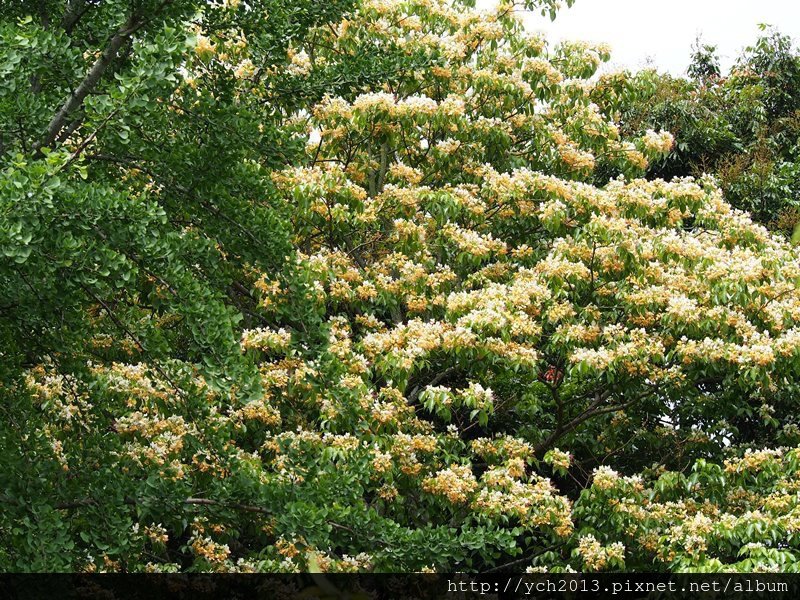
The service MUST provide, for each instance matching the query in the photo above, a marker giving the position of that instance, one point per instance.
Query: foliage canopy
(743, 127)
(296, 287)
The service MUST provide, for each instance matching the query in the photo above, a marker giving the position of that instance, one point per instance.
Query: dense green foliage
(345, 286)
(94, 95)
(133, 202)
(743, 127)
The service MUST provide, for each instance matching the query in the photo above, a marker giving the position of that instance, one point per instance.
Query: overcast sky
(663, 30)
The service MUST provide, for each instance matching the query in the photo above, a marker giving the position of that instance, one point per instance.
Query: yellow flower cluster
(455, 483)
(596, 557)
(559, 459)
(536, 504)
(266, 339)
(208, 549)
(605, 478)
(660, 142)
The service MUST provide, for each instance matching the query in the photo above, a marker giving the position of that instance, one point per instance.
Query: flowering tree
(513, 367)
(742, 126)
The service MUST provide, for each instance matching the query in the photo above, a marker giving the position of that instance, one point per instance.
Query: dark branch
(74, 12)
(78, 95)
(191, 501)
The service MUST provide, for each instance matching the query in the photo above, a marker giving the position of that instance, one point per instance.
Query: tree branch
(73, 13)
(78, 95)
(440, 377)
(191, 501)
(592, 410)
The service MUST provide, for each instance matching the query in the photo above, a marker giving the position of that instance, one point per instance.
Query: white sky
(664, 30)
